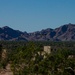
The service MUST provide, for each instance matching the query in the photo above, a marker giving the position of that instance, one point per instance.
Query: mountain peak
(70, 24)
(5, 27)
(63, 33)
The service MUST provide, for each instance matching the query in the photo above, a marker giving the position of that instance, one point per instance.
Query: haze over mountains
(62, 33)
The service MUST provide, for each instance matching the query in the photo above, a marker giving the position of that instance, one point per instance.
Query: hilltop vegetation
(24, 58)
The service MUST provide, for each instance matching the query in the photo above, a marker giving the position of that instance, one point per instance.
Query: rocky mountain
(63, 33)
(7, 33)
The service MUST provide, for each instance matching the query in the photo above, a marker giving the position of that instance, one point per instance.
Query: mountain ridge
(63, 33)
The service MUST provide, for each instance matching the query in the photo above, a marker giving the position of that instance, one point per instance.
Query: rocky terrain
(63, 33)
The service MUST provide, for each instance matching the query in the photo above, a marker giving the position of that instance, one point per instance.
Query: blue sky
(34, 15)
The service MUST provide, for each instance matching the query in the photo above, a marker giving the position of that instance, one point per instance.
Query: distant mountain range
(62, 33)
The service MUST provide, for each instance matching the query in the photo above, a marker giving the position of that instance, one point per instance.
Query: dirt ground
(6, 71)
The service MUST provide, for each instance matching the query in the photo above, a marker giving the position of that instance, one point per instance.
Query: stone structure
(4, 54)
(47, 49)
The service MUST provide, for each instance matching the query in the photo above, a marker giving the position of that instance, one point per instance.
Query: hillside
(63, 33)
